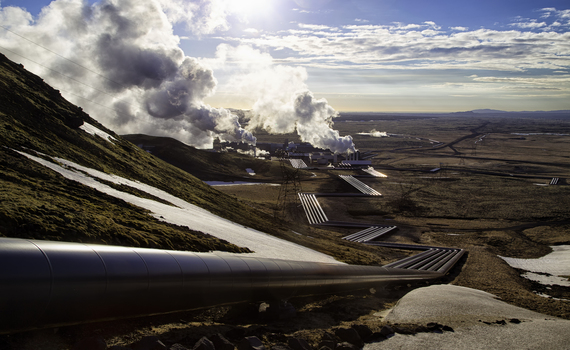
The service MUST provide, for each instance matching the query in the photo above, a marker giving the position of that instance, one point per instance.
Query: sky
(294, 63)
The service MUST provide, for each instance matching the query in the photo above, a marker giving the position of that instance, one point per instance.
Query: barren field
(491, 195)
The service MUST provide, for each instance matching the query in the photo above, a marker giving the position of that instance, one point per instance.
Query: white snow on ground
(185, 214)
(556, 264)
(466, 310)
(250, 171)
(546, 280)
(90, 129)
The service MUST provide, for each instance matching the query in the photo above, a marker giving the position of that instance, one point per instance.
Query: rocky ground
(337, 322)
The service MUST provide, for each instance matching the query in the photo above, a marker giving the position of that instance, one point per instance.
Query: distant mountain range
(494, 111)
(511, 114)
(485, 112)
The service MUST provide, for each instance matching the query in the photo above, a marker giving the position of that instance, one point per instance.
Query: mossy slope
(39, 203)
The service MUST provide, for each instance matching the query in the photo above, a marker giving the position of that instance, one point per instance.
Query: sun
(250, 8)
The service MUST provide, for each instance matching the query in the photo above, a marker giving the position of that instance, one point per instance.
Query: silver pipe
(318, 209)
(48, 284)
(434, 260)
(410, 261)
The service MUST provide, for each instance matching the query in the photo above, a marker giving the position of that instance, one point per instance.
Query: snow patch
(90, 129)
(556, 264)
(546, 279)
(186, 214)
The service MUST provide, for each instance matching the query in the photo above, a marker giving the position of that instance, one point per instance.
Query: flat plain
(481, 183)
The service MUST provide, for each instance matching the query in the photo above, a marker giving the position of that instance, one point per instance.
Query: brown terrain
(491, 197)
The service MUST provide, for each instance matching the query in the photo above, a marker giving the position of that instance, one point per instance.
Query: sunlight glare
(249, 8)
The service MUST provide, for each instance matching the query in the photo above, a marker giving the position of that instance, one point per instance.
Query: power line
(65, 58)
(71, 78)
(86, 99)
(53, 70)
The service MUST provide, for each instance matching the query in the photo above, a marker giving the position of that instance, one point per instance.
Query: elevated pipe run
(369, 233)
(48, 284)
(359, 185)
(315, 214)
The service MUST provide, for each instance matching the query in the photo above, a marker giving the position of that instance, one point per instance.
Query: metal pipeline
(48, 284)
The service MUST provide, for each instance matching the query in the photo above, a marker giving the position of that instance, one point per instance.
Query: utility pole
(288, 202)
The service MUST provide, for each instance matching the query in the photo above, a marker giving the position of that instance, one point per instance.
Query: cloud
(562, 18)
(314, 26)
(422, 46)
(547, 12)
(11, 16)
(150, 85)
(558, 83)
(532, 24)
(401, 27)
(200, 17)
(432, 25)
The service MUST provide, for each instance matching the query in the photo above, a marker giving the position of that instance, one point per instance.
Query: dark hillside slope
(36, 202)
(205, 165)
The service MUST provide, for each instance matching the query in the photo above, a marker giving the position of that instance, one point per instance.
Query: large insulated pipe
(46, 283)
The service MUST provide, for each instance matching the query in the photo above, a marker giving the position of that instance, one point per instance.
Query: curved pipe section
(45, 283)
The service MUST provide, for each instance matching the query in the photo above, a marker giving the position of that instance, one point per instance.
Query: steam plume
(149, 83)
(282, 101)
(138, 80)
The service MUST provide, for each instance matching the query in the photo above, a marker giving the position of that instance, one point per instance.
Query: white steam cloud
(374, 133)
(282, 102)
(134, 78)
(145, 83)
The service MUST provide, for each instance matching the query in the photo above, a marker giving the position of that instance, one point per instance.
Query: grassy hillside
(39, 203)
